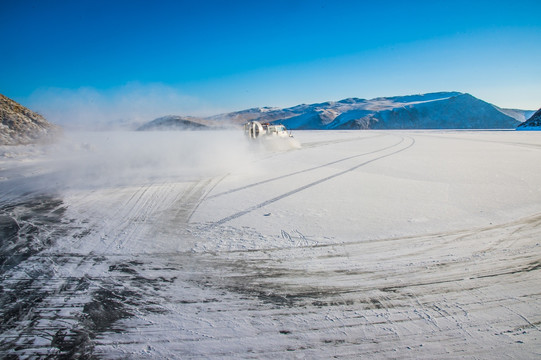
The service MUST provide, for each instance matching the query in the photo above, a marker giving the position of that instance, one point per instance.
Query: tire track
(358, 303)
(353, 304)
(315, 144)
(305, 170)
(186, 204)
(312, 184)
(469, 260)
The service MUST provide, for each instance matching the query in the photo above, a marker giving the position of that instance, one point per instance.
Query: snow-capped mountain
(444, 110)
(441, 110)
(19, 125)
(533, 123)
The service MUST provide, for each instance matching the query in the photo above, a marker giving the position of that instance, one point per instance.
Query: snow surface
(382, 244)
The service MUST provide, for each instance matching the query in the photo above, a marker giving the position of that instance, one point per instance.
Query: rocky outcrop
(19, 125)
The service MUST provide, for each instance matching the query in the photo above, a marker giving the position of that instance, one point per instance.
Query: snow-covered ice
(382, 244)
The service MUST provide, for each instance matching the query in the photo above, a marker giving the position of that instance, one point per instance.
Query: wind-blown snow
(379, 244)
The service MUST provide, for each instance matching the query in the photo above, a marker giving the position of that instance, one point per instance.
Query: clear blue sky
(203, 57)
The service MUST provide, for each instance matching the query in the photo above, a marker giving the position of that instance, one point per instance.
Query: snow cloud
(95, 159)
(113, 158)
(121, 107)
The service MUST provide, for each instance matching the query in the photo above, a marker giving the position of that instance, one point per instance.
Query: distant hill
(173, 122)
(19, 125)
(462, 111)
(441, 110)
(533, 123)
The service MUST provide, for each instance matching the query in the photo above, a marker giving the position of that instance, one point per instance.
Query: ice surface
(382, 244)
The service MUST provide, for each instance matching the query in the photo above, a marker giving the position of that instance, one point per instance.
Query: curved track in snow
(310, 145)
(131, 271)
(378, 154)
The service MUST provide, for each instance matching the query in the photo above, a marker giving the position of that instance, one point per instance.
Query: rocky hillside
(19, 125)
(533, 123)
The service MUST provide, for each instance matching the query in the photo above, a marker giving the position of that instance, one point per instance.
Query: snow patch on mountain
(520, 115)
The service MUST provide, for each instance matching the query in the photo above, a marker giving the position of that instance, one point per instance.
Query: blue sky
(125, 59)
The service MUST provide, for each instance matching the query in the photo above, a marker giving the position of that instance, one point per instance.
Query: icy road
(357, 244)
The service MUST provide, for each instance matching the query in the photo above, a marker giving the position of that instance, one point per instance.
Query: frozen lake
(382, 244)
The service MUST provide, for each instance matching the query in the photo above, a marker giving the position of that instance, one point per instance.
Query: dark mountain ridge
(533, 123)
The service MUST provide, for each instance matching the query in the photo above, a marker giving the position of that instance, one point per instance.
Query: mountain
(173, 122)
(19, 125)
(533, 123)
(456, 112)
(443, 110)
(440, 110)
(240, 117)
